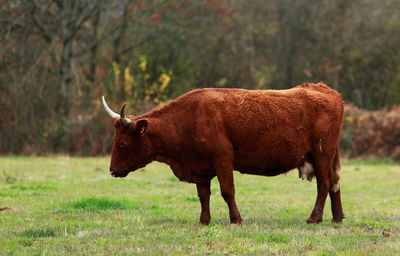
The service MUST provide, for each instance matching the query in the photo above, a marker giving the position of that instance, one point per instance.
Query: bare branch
(40, 26)
(79, 24)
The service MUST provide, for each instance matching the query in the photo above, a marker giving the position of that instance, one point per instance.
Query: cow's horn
(108, 110)
(124, 119)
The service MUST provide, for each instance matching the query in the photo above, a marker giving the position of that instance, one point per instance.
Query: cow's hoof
(313, 221)
(237, 221)
(205, 221)
(338, 220)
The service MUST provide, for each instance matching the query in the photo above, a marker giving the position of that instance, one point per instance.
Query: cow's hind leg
(225, 178)
(336, 205)
(334, 193)
(204, 192)
(322, 169)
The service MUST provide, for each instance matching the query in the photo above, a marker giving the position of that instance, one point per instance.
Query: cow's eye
(122, 144)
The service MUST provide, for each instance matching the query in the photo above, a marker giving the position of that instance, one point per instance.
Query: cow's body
(210, 132)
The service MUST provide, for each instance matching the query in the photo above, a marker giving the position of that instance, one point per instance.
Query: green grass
(72, 206)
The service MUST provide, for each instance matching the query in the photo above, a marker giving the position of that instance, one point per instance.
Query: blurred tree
(57, 57)
(59, 23)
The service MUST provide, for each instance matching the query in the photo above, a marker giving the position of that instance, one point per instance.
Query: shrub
(371, 133)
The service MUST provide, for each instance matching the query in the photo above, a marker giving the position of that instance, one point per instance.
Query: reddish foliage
(371, 133)
(156, 18)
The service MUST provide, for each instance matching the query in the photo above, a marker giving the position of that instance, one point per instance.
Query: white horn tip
(108, 110)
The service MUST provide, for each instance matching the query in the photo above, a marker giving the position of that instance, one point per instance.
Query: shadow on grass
(275, 220)
(259, 221)
(267, 222)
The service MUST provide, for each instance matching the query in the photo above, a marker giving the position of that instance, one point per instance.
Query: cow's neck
(164, 143)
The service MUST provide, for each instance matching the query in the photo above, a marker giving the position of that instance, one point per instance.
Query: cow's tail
(336, 171)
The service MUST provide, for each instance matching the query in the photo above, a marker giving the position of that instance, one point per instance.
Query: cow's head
(132, 146)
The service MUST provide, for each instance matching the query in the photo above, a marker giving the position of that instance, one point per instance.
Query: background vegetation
(72, 206)
(57, 57)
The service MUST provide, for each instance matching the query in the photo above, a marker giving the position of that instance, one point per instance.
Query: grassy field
(72, 206)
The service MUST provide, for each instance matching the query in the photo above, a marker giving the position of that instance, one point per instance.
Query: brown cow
(211, 132)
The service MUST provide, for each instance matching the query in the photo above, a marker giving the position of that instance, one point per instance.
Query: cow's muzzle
(117, 174)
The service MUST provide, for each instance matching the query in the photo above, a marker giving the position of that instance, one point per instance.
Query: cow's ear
(141, 127)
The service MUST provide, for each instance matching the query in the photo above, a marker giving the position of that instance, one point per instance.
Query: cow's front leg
(203, 191)
(225, 178)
